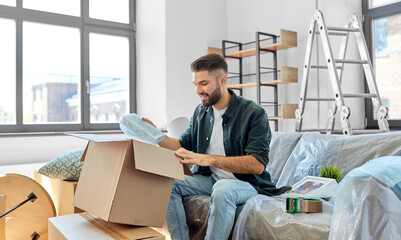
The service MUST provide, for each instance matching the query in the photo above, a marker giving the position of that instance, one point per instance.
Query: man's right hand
(148, 121)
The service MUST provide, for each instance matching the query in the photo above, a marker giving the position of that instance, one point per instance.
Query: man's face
(207, 87)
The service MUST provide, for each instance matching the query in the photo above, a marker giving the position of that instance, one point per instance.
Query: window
(66, 65)
(379, 3)
(68, 7)
(7, 71)
(382, 27)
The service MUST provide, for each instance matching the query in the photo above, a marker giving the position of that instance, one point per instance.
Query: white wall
(192, 26)
(171, 34)
(151, 60)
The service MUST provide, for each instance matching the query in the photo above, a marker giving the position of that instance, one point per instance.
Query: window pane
(115, 11)
(387, 60)
(51, 74)
(8, 3)
(68, 7)
(379, 3)
(7, 72)
(109, 77)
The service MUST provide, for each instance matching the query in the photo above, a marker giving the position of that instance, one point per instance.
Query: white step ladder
(335, 68)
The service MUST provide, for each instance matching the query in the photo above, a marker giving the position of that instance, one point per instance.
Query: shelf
(287, 112)
(288, 75)
(288, 40)
(214, 50)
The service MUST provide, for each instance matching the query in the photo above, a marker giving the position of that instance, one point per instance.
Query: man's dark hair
(213, 63)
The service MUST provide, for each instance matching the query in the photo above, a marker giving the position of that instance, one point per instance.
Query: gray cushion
(64, 167)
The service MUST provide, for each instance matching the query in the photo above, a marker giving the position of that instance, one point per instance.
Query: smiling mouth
(203, 96)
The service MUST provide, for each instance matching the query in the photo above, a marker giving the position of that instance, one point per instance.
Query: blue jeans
(225, 194)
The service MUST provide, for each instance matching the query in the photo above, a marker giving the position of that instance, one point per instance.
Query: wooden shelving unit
(287, 39)
(287, 112)
(288, 75)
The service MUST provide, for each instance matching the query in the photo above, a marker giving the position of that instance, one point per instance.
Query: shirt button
(207, 139)
(225, 143)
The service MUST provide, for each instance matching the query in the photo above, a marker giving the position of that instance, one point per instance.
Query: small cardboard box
(87, 226)
(62, 193)
(127, 181)
(3, 219)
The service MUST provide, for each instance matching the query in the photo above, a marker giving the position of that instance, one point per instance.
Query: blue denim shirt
(246, 131)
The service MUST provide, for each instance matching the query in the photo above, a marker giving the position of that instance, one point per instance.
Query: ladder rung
(342, 29)
(366, 131)
(359, 95)
(351, 61)
(319, 99)
(323, 67)
(316, 130)
(334, 33)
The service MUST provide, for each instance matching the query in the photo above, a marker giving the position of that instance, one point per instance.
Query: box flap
(157, 160)
(96, 138)
(99, 176)
(87, 226)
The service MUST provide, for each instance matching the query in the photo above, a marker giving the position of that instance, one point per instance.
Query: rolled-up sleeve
(259, 136)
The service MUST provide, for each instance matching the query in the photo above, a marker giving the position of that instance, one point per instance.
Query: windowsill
(44, 134)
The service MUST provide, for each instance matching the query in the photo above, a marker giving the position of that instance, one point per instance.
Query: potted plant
(331, 171)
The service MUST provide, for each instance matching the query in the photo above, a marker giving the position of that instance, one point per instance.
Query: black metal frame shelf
(288, 75)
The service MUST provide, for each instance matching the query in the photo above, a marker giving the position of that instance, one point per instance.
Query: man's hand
(148, 121)
(241, 164)
(192, 158)
(167, 142)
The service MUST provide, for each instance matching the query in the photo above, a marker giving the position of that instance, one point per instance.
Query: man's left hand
(194, 158)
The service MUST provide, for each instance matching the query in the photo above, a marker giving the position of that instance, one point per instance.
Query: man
(228, 138)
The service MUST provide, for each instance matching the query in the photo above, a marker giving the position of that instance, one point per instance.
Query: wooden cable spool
(30, 218)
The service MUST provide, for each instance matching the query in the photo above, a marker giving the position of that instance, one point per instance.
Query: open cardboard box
(127, 181)
(87, 226)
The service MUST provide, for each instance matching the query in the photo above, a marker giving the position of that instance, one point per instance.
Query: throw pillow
(64, 167)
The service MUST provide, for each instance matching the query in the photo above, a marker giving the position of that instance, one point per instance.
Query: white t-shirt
(216, 146)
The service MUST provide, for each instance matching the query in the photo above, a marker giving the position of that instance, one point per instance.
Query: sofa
(366, 204)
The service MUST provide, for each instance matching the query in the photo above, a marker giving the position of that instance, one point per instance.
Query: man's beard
(214, 97)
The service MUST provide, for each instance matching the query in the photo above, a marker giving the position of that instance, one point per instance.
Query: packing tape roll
(311, 206)
(307, 205)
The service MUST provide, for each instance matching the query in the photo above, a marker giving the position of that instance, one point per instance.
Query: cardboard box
(127, 181)
(3, 219)
(61, 192)
(87, 226)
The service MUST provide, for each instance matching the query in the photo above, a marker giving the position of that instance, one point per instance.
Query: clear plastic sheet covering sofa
(264, 217)
(281, 146)
(348, 152)
(368, 202)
